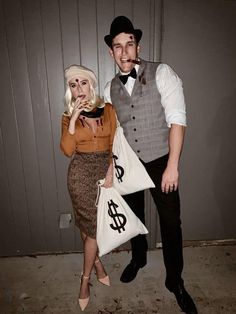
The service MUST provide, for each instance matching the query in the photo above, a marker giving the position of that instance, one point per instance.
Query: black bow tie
(124, 78)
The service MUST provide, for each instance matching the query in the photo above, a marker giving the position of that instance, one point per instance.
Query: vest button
(132, 106)
(134, 129)
(136, 140)
(133, 117)
(138, 151)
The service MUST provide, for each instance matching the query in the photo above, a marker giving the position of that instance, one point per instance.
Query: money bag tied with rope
(129, 174)
(116, 222)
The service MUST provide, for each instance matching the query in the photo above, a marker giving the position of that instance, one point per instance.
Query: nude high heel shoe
(105, 280)
(84, 302)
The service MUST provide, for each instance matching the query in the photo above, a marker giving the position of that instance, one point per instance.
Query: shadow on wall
(221, 137)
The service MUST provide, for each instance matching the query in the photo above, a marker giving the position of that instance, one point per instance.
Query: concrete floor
(50, 284)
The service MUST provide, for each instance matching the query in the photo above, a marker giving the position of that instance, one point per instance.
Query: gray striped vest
(141, 115)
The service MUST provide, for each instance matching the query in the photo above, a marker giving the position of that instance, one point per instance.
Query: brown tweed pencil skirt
(84, 171)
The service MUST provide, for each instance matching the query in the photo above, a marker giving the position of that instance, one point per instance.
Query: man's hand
(170, 178)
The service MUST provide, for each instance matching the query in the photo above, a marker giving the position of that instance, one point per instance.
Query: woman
(88, 128)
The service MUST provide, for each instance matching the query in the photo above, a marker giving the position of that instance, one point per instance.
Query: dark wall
(39, 38)
(199, 41)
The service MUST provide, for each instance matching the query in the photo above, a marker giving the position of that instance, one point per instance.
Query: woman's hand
(108, 182)
(109, 178)
(79, 106)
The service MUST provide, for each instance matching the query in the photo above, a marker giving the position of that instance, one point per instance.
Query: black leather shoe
(184, 300)
(130, 271)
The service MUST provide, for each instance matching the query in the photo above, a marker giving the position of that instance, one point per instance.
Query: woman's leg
(90, 252)
(99, 268)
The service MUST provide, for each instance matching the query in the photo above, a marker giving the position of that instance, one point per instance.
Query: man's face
(124, 48)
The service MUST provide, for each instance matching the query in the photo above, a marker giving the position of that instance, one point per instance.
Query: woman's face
(80, 87)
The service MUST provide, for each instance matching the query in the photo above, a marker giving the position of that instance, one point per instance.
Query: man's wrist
(173, 163)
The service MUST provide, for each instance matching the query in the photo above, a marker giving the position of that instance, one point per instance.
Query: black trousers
(168, 206)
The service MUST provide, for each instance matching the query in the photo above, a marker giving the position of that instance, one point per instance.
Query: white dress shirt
(170, 88)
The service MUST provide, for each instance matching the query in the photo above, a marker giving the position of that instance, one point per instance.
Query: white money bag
(116, 222)
(129, 174)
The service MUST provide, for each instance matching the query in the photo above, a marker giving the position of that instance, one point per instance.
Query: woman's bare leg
(99, 268)
(90, 252)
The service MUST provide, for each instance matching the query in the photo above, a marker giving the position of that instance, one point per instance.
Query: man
(150, 105)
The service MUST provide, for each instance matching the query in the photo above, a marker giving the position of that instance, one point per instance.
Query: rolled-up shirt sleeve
(172, 96)
(107, 92)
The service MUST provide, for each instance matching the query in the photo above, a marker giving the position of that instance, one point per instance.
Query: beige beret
(79, 70)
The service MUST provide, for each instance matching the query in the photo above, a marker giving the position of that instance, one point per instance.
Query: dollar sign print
(119, 219)
(119, 170)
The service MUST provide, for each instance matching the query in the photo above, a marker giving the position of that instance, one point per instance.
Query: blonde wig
(79, 70)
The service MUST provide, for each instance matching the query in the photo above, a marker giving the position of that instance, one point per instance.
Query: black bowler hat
(121, 24)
